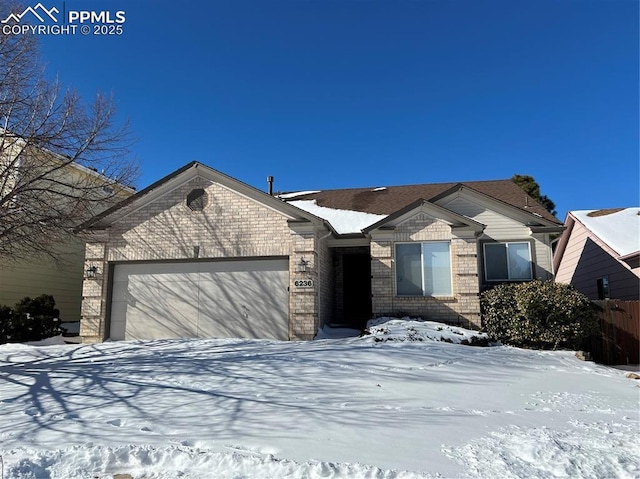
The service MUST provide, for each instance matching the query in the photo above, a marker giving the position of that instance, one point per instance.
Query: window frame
(422, 269)
(529, 244)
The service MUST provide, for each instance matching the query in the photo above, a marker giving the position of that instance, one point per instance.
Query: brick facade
(237, 221)
(463, 307)
(231, 225)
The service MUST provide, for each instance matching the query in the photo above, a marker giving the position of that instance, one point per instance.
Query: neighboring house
(201, 254)
(599, 253)
(62, 278)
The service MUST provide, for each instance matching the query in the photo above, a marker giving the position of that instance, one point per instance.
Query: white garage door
(223, 299)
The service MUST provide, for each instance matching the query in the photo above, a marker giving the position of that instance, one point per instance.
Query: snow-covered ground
(392, 404)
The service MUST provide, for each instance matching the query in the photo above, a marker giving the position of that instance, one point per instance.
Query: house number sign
(303, 283)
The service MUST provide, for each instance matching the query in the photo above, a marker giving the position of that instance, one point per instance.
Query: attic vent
(197, 199)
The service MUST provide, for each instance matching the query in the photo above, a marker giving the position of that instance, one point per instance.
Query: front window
(507, 261)
(423, 269)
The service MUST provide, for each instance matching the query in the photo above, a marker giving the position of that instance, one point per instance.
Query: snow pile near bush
(407, 329)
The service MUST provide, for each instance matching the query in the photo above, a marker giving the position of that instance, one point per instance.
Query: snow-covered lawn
(350, 407)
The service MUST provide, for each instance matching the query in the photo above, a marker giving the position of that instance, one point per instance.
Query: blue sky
(332, 94)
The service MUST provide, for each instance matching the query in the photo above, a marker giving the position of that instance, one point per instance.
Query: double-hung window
(423, 269)
(509, 261)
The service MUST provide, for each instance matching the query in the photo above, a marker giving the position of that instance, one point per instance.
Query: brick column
(94, 293)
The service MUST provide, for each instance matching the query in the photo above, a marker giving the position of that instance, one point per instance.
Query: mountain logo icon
(39, 12)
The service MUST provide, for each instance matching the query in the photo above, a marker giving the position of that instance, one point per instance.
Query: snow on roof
(619, 229)
(343, 221)
(286, 196)
(381, 188)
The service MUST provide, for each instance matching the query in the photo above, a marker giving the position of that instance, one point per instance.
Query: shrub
(30, 320)
(5, 323)
(538, 314)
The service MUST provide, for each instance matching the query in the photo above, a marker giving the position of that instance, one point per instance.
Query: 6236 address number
(303, 283)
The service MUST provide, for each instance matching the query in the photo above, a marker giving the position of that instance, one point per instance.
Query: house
(201, 254)
(61, 273)
(599, 253)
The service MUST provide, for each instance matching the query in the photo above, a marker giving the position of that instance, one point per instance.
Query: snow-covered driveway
(329, 408)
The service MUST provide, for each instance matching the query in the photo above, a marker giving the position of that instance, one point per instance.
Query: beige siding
(43, 276)
(63, 277)
(498, 226)
(542, 257)
(502, 228)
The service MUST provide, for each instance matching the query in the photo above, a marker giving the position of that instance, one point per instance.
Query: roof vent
(197, 199)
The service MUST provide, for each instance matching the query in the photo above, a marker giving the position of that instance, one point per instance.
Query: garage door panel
(238, 301)
(161, 310)
(201, 299)
(118, 320)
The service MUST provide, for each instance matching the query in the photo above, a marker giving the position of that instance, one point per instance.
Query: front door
(357, 289)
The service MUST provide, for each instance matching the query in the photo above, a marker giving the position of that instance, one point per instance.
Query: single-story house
(201, 254)
(599, 253)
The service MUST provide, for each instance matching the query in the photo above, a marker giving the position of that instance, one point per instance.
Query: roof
(619, 228)
(389, 199)
(344, 222)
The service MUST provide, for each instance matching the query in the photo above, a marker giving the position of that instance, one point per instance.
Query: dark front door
(357, 289)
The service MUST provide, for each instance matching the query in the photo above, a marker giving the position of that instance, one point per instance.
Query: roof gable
(526, 216)
(183, 175)
(431, 209)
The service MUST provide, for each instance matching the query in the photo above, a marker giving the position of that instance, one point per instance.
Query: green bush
(30, 320)
(538, 314)
(6, 314)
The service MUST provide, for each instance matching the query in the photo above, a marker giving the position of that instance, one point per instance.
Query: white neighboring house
(62, 278)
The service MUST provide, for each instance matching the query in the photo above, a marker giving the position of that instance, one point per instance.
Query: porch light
(92, 271)
(302, 265)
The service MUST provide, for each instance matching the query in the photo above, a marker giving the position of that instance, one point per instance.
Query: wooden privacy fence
(619, 338)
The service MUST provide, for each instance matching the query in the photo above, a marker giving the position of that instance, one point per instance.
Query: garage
(200, 299)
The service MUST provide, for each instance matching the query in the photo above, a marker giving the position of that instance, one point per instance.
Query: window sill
(428, 298)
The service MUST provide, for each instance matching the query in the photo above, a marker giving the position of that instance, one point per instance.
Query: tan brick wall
(326, 279)
(94, 294)
(304, 302)
(462, 308)
(230, 225)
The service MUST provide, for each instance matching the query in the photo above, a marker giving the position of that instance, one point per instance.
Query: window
(603, 288)
(423, 269)
(507, 261)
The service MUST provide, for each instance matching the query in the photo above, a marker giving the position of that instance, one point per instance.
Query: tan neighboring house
(201, 254)
(62, 278)
(599, 253)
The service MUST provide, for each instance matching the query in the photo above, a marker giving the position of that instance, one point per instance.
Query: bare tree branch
(61, 161)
